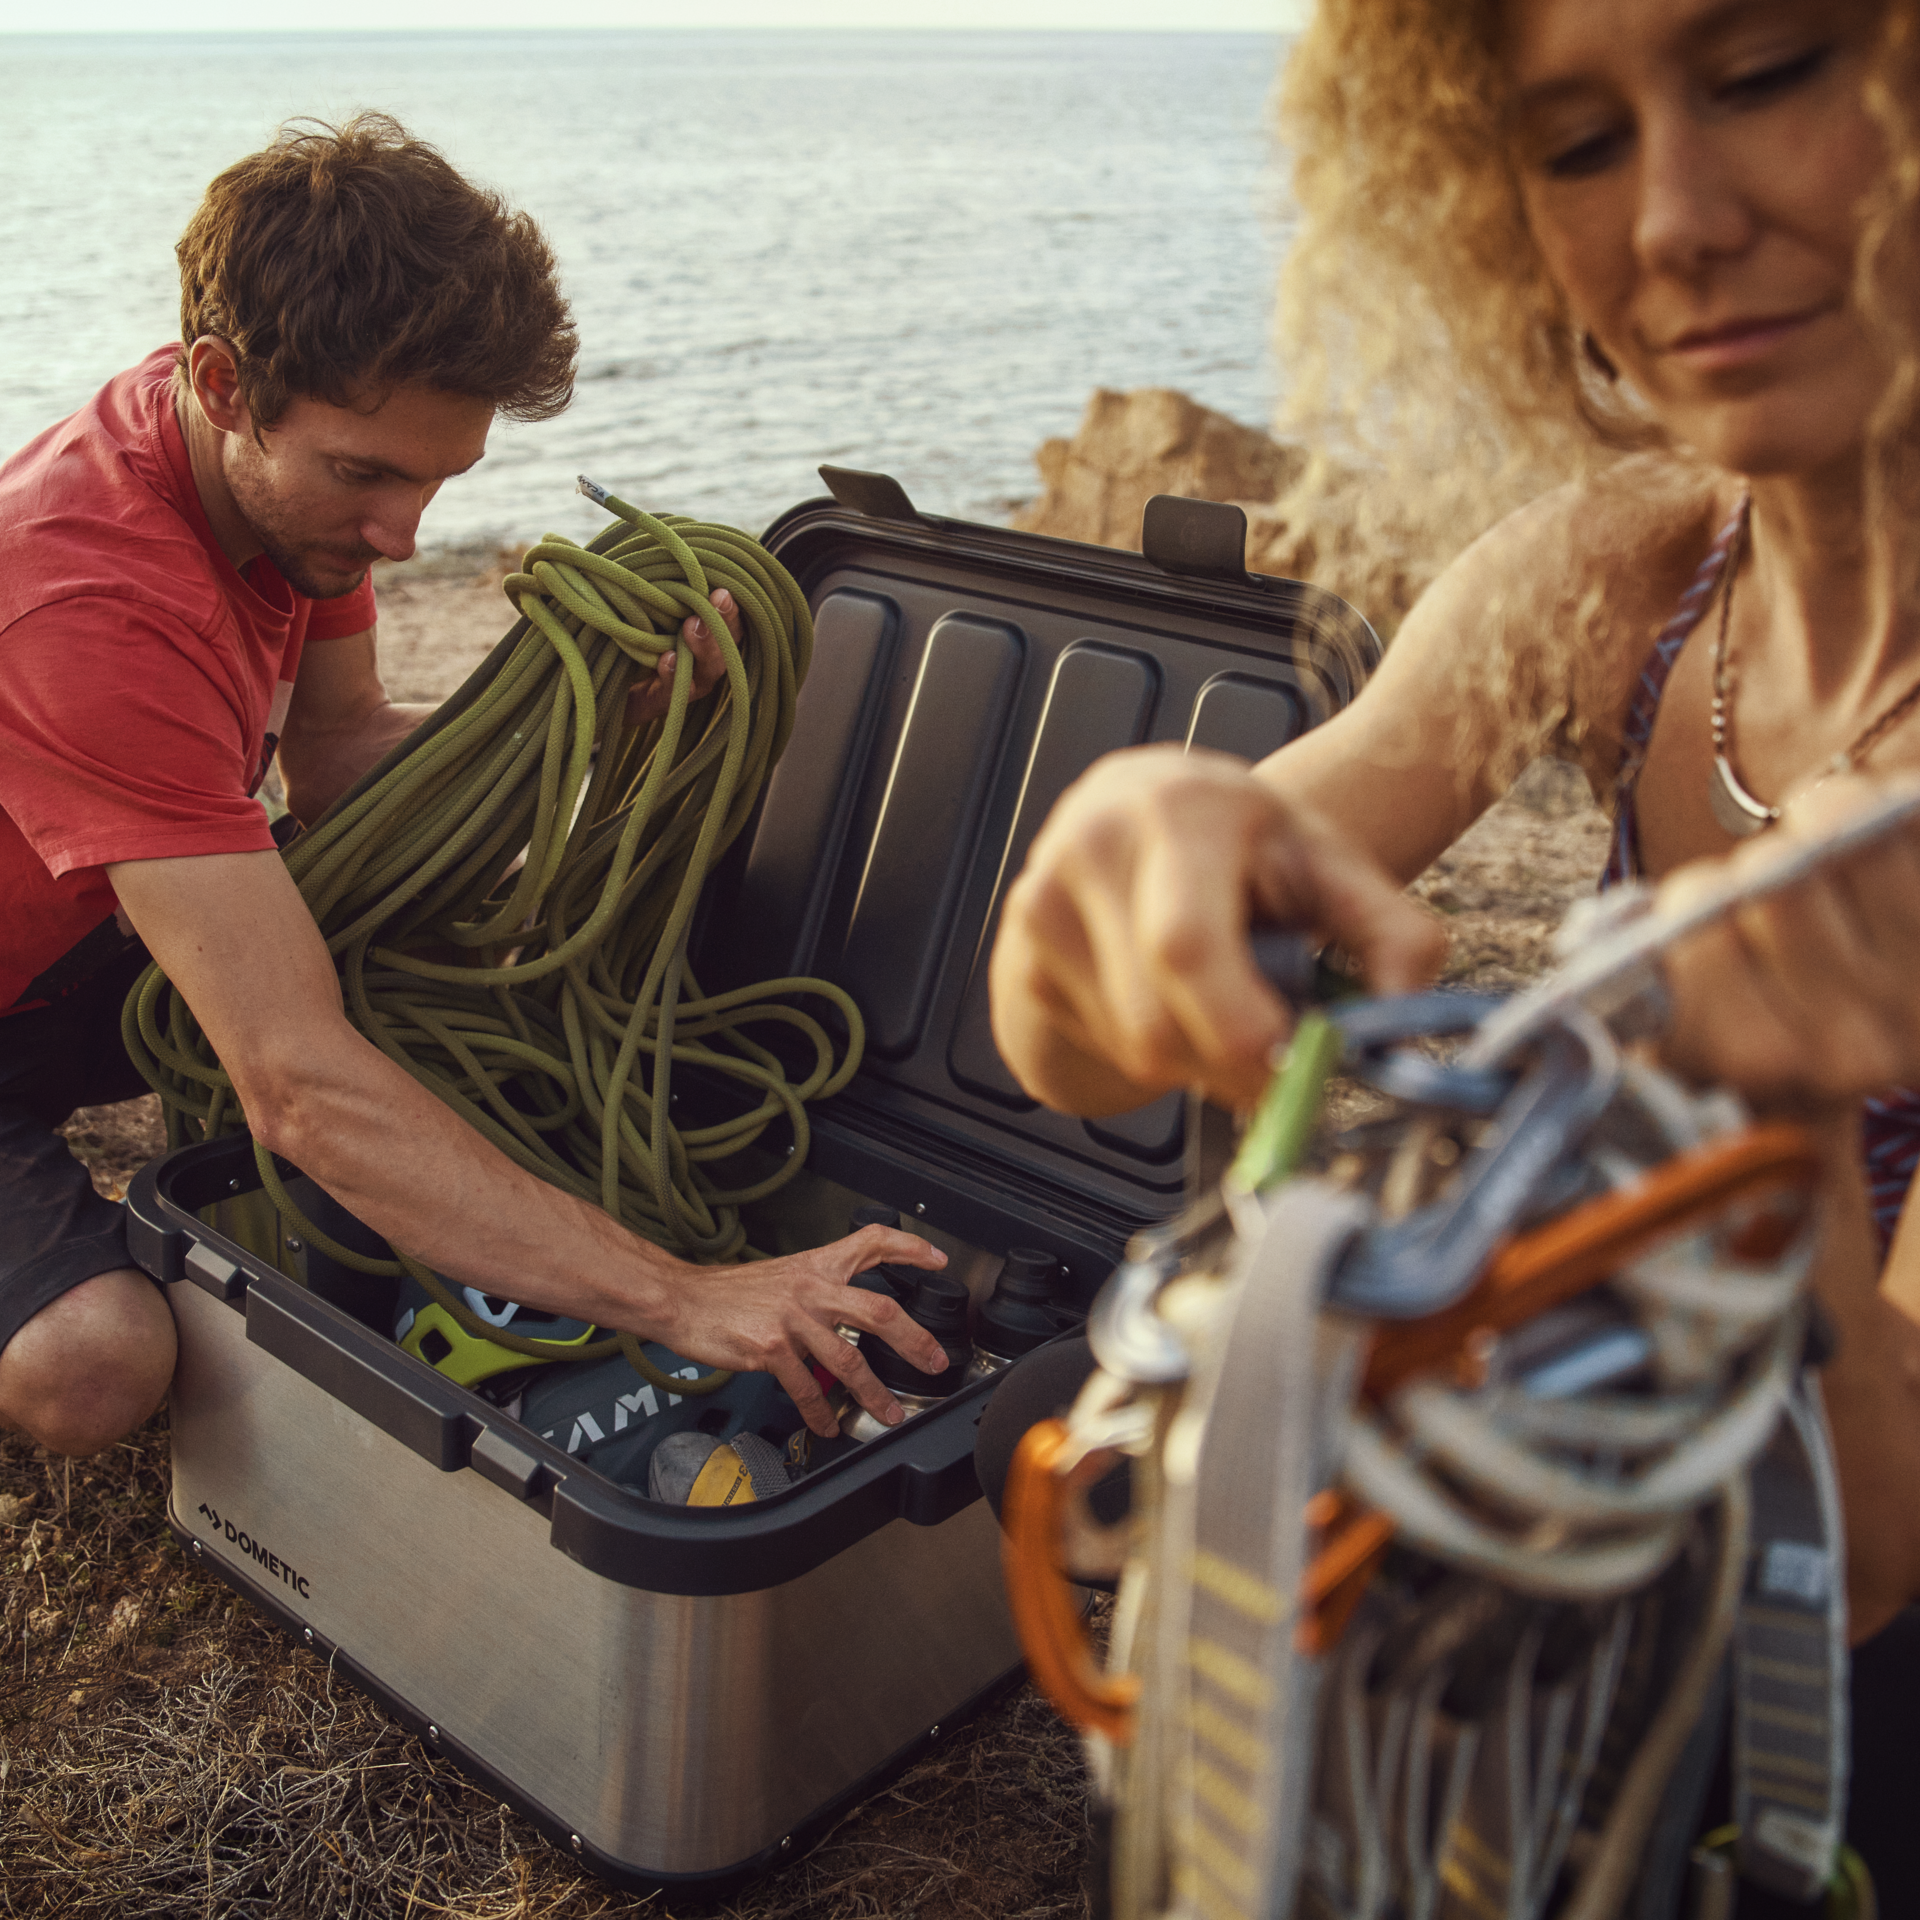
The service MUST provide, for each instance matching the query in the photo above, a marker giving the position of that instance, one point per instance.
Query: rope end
(598, 495)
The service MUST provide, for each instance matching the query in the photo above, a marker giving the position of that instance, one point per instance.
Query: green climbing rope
(508, 897)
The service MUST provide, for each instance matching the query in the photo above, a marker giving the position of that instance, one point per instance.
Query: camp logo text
(252, 1547)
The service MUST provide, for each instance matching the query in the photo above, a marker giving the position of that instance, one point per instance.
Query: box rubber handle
(360, 1371)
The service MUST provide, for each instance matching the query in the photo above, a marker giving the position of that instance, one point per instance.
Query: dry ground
(165, 1752)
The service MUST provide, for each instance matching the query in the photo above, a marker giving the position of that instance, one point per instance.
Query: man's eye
(355, 477)
(1775, 77)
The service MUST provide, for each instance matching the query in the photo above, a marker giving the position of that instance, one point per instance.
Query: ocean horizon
(916, 251)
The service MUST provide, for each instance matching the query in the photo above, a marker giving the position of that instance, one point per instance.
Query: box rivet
(933, 1732)
(786, 1845)
(308, 1636)
(433, 1733)
(233, 1186)
(577, 1847)
(196, 1549)
(293, 1243)
(919, 1206)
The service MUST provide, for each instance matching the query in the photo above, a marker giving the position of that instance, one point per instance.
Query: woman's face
(1694, 172)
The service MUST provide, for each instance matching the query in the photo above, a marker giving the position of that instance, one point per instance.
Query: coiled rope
(508, 896)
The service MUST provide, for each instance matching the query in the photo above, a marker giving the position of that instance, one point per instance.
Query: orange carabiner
(1553, 1263)
(1044, 1614)
(1529, 1274)
(1354, 1540)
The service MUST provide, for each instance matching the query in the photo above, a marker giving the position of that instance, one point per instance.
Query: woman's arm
(1122, 968)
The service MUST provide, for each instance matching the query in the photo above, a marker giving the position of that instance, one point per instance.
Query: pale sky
(230, 16)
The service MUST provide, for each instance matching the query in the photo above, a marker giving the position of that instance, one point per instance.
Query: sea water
(910, 252)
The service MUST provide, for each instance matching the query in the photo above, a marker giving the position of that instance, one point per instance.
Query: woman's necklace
(1737, 811)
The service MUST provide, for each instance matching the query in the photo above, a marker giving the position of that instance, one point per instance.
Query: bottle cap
(939, 1305)
(1021, 1314)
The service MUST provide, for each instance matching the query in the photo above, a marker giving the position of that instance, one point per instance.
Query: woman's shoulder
(1634, 533)
(1562, 600)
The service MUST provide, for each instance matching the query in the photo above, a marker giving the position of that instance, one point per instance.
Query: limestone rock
(1130, 446)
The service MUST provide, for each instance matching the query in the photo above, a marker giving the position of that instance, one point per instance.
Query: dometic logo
(225, 1529)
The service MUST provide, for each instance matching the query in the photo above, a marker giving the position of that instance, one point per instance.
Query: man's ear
(213, 372)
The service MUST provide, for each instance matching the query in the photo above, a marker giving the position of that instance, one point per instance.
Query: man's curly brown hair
(341, 261)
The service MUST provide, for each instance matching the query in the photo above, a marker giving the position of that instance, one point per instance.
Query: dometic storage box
(685, 1695)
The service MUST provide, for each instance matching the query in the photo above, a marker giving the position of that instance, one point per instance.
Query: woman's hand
(1807, 998)
(773, 1316)
(1122, 967)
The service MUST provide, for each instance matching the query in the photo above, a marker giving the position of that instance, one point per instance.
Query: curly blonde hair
(1431, 360)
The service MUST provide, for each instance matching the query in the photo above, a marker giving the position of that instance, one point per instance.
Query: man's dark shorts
(55, 1231)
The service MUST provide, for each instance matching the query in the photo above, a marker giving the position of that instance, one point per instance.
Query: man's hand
(648, 700)
(775, 1315)
(1122, 968)
(1805, 998)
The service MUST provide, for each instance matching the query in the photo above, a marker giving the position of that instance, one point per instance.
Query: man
(184, 594)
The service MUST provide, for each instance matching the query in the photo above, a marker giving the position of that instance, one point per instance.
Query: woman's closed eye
(1592, 153)
(1768, 81)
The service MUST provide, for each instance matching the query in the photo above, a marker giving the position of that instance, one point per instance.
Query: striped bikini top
(1889, 1123)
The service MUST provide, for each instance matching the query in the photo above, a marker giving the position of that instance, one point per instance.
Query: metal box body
(688, 1732)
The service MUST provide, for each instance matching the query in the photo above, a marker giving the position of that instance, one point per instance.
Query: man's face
(328, 490)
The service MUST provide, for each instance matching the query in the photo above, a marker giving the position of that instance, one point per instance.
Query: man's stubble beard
(297, 577)
(258, 506)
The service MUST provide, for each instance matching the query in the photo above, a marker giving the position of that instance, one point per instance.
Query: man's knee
(90, 1366)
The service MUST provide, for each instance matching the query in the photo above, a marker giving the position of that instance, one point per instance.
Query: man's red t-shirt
(143, 678)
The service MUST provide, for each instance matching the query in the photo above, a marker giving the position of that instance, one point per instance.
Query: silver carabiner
(1427, 1261)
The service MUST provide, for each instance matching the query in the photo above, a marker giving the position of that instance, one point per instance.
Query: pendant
(1737, 811)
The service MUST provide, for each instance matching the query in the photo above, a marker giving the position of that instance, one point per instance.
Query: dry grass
(166, 1752)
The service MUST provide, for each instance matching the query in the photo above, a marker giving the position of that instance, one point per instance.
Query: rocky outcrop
(1130, 446)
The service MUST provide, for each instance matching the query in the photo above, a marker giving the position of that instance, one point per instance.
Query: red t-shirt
(143, 678)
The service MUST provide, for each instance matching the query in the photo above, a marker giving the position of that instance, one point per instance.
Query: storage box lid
(963, 677)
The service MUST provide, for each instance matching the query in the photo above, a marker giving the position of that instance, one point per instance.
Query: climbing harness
(508, 897)
(1473, 1458)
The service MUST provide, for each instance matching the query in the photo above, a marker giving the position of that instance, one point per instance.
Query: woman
(1664, 249)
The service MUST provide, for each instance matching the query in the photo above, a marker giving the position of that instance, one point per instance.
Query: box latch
(215, 1272)
(496, 1458)
(878, 495)
(1202, 539)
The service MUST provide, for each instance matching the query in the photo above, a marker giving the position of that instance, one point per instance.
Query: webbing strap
(1790, 1735)
(1257, 1444)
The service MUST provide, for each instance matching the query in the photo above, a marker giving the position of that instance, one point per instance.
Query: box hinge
(878, 495)
(1202, 539)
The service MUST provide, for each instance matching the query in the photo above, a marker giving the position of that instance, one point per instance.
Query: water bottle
(1021, 1313)
(940, 1305)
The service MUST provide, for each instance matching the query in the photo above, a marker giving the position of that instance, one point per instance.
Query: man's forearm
(236, 939)
(318, 766)
(417, 1174)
